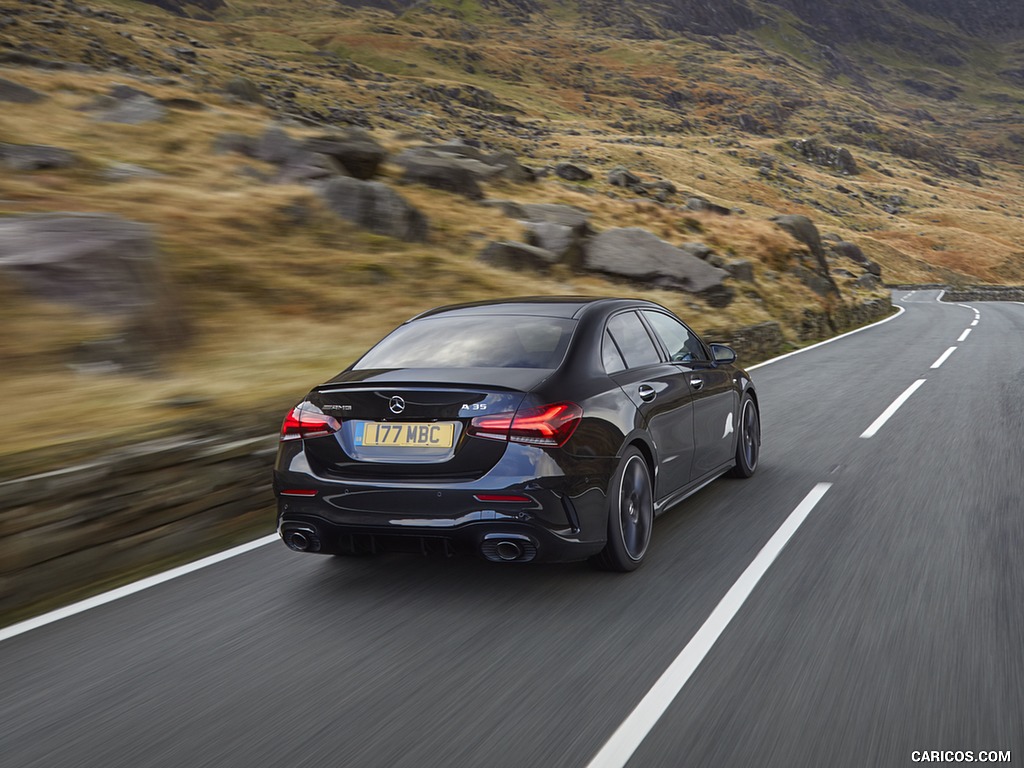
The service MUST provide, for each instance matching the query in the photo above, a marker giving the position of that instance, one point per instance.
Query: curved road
(891, 621)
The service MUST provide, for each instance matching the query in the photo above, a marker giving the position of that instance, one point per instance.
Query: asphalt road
(892, 620)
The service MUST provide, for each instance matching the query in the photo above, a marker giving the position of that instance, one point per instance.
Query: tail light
(306, 420)
(549, 425)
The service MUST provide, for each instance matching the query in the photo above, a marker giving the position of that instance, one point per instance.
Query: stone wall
(752, 343)
(155, 503)
(955, 293)
(755, 343)
(985, 293)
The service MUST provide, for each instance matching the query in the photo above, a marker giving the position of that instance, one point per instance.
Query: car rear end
(442, 459)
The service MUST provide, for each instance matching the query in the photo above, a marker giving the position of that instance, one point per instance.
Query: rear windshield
(479, 341)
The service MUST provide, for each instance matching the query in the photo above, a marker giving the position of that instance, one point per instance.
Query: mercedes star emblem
(397, 404)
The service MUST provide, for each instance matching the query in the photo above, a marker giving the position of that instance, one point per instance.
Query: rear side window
(613, 362)
(680, 342)
(477, 341)
(633, 340)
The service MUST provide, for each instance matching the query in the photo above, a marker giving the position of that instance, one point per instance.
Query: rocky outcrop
(804, 231)
(376, 207)
(638, 255)
(102, 264)
(837, 158)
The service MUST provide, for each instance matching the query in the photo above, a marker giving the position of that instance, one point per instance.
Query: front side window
(682, 345)
(633, 341)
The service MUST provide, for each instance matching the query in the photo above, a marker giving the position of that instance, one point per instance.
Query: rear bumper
(561, 516)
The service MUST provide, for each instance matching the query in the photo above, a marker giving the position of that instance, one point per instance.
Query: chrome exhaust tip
(508, 550)
(301, 539)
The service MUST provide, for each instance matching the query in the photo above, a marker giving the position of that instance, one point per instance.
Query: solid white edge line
(943, 357)
(941, 294)
(130, 589)
(617, 751)
(878, 423)
(964, 335)
(826, 341)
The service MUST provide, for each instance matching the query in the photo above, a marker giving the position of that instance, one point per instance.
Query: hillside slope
(698, 122)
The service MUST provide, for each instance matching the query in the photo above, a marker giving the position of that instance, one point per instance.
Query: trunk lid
(397, 427)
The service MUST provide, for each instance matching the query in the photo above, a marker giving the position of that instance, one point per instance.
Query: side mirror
(723, 354)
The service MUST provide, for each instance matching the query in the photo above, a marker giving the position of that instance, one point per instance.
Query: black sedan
(522, 430)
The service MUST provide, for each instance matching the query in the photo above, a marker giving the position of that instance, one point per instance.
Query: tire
(748, 439)
(630, 515)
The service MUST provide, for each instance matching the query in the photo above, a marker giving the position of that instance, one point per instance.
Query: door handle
(647, 393)
(697, 382)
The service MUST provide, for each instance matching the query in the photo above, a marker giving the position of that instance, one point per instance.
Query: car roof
(537, 306)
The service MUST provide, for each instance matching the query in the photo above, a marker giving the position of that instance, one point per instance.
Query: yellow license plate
(405, 435)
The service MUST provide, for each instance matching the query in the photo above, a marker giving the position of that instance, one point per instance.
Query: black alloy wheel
(630, 515)
(748, 441)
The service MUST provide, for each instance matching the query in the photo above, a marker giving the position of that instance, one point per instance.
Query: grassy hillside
(280, 293)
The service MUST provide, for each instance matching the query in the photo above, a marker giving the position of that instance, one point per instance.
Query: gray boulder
(244, 89)
(572, 172)
(567, 215)
(741, 269)
(700, 250)
(276, 146)
(103, 264)
(356, 152)
(803, 230)
(508, 207)
(122, 92)
(16, 93)
(563, 241)
(849, 250)
(703, 204)
(813, 280)
(447, 173)
(621, 177)
(640, 256)
(131, 107)
(661, 186)
(510, 255)
(34, 157)
(236, 142)
(509, 167)
(483, 166)
(867, 281)
(374, 206)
